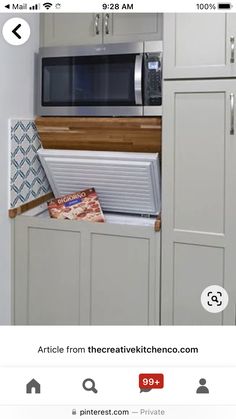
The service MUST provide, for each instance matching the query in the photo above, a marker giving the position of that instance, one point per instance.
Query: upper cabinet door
(199, 45)
(132, 27)
(67, 29)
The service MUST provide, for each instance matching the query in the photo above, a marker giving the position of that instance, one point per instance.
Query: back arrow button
(15, 31)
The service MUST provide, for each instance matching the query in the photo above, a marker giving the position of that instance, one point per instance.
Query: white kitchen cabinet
(199, 45)
(126, 27)
(120, 280)
(199, 201)
(67, 29)
(71, 272)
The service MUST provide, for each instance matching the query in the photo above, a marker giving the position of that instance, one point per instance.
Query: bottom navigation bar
(117, 386)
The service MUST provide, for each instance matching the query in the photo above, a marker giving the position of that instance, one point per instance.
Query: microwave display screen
(153, 65)
(88, 81)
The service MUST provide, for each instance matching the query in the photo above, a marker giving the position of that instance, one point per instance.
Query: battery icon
(224, 5)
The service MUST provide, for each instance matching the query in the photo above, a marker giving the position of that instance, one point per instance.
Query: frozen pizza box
(83, 205)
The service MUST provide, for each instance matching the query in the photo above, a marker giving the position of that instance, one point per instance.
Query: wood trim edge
(157, 225)
(13, 212)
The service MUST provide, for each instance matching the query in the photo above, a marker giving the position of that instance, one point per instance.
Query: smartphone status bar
(117, 6)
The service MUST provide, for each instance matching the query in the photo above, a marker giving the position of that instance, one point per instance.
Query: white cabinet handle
(231, 114)
(96, 24)
(232, 49)
(107, 28)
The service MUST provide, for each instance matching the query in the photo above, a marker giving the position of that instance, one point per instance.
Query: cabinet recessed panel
(119, 280)
(134, 24)
(200, 39)
(53, 283)
(67, 29)
(195, 268)
(199, 162)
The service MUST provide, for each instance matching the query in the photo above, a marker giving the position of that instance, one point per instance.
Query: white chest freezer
(125, 182)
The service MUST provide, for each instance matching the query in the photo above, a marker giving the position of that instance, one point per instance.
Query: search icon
(89, 385)
(215, 299)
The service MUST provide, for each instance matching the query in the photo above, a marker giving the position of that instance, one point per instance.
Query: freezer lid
(125, 182)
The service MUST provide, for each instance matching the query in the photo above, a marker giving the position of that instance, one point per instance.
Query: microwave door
(101, 85)
(138, 79)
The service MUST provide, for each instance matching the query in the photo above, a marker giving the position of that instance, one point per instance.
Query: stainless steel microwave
(101, 80)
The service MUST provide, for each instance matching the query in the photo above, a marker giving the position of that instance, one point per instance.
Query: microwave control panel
(152, 79)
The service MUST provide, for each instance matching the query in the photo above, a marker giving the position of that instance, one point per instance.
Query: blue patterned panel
(28, 179)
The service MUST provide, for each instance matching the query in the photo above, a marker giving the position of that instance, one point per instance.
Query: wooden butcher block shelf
(140, 134)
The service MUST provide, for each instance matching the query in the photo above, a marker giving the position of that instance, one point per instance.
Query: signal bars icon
(35, 7)
(47, 5)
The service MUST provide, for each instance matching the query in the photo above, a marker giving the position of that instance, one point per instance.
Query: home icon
(33, 387)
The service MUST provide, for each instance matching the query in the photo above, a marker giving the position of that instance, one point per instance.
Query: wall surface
(16, 102)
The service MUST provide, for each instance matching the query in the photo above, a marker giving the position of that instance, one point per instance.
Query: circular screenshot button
(214, 299)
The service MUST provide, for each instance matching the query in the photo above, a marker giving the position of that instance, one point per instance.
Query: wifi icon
(47, 5)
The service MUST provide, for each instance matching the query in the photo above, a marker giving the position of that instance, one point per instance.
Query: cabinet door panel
(53, 283)
(119, 280)
(195, 268)
(198, 199)
(131, 27)
(194, 47)
(198, 45)
(67, 29)
(199, 161)
(70, 272)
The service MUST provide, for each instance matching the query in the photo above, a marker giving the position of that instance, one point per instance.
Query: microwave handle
(138, 79)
